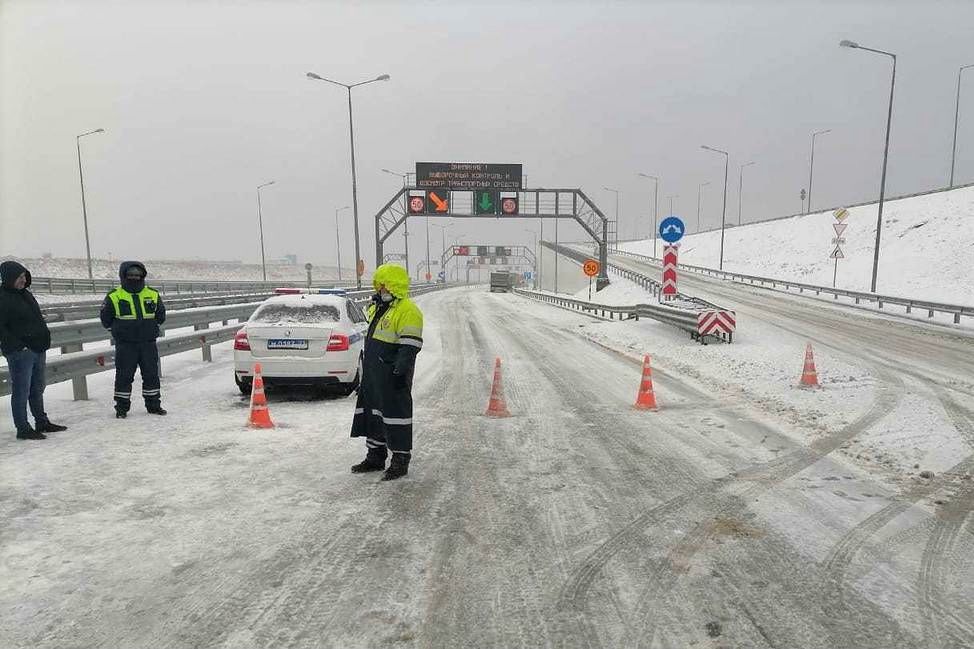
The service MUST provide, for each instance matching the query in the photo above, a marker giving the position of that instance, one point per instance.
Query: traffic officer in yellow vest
(133, 312)
(384, 409)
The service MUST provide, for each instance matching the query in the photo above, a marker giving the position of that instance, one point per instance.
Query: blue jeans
(27, 386)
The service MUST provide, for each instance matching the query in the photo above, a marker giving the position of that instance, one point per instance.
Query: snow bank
(927, 249)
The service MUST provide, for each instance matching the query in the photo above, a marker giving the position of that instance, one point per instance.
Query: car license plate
(287, 343)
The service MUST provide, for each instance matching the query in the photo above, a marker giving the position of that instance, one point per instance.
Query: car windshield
(296, 314)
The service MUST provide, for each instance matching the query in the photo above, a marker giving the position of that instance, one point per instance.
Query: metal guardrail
(957, 310)
(75, 363)
(76, 366)
(79, 285)
(682, 318)
(66, 312)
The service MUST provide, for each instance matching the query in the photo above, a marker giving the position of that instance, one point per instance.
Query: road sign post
(671, 230)
(669, 272)
(591, 268)
(839, 226)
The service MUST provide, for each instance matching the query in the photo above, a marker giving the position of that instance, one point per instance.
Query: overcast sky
(203, 101)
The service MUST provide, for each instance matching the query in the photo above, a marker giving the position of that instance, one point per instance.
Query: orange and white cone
(809, 374)
(260, 416)
(646, 399)
(497, 406)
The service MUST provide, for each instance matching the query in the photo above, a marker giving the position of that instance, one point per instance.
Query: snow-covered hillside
(927, 248)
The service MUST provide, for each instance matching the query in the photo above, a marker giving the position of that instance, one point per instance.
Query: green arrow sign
(486, 202)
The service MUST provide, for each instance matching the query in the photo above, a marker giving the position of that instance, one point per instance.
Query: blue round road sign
(671, 229)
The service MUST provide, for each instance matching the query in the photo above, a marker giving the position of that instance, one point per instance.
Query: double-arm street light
(953, 150)
(443, 229)
(260, 225)
(338, 240)
(882, 182)
(723, 213)
(84, 209)
(655, 207)
(351, 139)
(811, 168)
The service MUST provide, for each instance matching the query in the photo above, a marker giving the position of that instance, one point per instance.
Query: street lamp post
(740, 193)
(351, 139)
(811, 168)
(723, 213)
(405, 221)
(882, 182)
(260, 225)
(338, 241)
(535, 235)
(655, 208)
(953, 150)
(699, 195)
(616, 192)
(84, 208)
(443, 229)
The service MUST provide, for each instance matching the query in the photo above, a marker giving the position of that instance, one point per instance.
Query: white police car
(302, 337)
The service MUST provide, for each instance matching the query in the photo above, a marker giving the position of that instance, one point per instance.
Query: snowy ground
(927, 248)
(745, 512)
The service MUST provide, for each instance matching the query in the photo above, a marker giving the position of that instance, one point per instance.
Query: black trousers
(128, 358)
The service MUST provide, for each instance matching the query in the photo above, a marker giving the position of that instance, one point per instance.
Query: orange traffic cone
(497, 406)
(809, 374)
(260, 416)
(646, 399)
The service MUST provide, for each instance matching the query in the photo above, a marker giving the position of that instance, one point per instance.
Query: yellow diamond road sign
(841, 214)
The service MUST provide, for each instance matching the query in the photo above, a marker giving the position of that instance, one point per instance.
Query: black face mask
(133, 285)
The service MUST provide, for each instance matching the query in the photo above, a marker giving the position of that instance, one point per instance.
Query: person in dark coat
(133, 312)
(384, 409)
(24, 341)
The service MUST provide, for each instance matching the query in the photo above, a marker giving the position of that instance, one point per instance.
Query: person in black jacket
(133, 312)
(24, 341)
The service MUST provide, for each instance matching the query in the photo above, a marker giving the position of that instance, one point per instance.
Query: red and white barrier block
(669, 272)
(717, 323)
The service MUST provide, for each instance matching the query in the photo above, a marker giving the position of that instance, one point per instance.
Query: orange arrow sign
(441, 205)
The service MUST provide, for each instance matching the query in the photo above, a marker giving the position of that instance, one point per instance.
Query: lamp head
(312, 75)
(383, 77)
(847, 43)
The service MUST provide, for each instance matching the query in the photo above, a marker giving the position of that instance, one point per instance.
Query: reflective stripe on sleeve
(412, 342)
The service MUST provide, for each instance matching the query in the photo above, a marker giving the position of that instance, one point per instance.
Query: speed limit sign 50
(591, 267)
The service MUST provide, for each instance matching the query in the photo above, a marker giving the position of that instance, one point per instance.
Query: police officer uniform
(133, 312)
(384, 408)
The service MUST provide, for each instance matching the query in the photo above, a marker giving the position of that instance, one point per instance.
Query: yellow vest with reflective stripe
(124, 304)
(403, 318)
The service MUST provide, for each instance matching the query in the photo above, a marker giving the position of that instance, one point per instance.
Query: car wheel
(244, 385)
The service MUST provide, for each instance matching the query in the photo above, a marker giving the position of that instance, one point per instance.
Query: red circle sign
(509, 206)
(416, 204)
(591, 267)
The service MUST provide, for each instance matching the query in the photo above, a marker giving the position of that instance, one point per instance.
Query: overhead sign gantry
(465, 190)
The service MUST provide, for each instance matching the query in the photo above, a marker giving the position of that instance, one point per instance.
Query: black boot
(121, 414)
(156, 410)
(398, 467)
(50, 427)
(30, 433)
(375, 460)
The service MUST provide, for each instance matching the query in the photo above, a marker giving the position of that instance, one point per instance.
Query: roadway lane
(578, 522)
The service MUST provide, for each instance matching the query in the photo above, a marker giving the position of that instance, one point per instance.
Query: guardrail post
(957, 318)
(207, 348)
(930, 313)
(79, 385)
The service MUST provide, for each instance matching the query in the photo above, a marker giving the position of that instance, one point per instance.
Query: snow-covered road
(578, 522)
